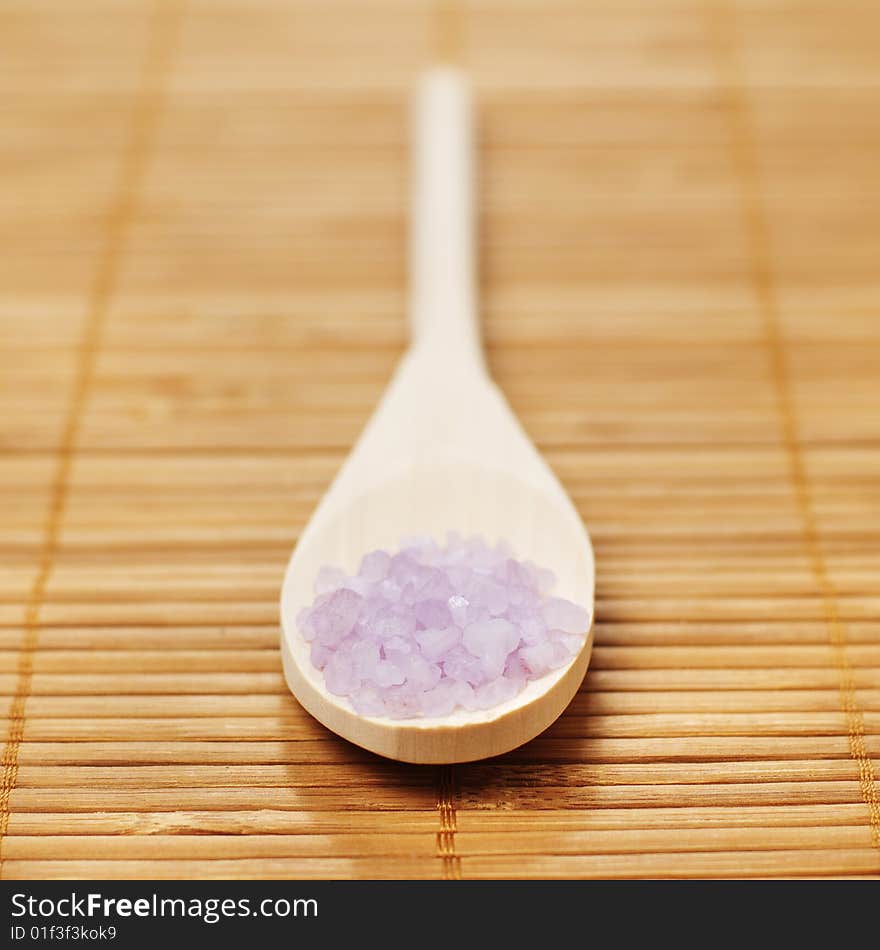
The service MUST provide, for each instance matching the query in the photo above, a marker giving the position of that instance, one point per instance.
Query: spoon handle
(442, 246)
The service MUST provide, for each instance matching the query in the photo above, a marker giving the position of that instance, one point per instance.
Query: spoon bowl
(443, 451)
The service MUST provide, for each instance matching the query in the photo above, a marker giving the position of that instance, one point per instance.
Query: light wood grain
(679, 234)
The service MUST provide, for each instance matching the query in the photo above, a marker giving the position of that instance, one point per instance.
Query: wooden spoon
(443, 451)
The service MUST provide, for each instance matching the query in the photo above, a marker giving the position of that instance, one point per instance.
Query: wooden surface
(201, 296)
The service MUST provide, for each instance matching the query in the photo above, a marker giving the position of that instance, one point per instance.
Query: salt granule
(431, 629)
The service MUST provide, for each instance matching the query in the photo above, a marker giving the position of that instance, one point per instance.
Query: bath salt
(430, 629)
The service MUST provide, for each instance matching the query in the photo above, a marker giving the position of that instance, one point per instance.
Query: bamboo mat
(202, 294)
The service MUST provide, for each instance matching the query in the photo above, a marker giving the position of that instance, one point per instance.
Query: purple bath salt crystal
(374, 567)
(441, 700)
(496, 599)
(435, 586)
(491, 641)
(333, 620)
(561, 655)
(365, 656)
(487, 598)
(304, 623)
(571, 642)
(425, 583)
(396, 648)
(563, 615)
(320, 655)
(530, 622)
(458, 607)
(431, 629)
(542, 579)
(394, 622)
(389, 590)
(464, 667)
(420, 674)
(515, 669)
(543, 657)
(518, 575)
(433, 613)
(401, 703)
(368, 701)
(386, 673)
(536, 658)
(431, 585)
(436, 644)
(339, 675)
(459, 575)
(465, 695)
(495, 691)
(404, 567)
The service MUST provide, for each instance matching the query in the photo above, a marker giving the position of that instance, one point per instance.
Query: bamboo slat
(203, 293)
